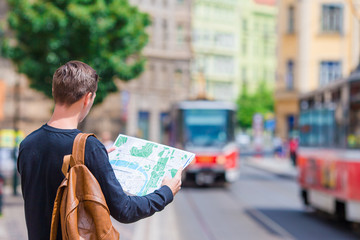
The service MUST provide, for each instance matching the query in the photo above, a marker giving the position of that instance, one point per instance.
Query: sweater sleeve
(124, 208)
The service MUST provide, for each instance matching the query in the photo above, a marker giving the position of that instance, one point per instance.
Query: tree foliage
(261, 101)
(106, 34)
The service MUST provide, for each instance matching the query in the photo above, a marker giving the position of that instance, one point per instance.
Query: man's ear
(88, 97)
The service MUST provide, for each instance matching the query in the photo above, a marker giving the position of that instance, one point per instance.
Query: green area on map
(144, 152)
(120, 141)
(158, 170)
(173, 172)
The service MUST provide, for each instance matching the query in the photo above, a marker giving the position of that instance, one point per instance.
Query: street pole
(16, 99)
(16, 129)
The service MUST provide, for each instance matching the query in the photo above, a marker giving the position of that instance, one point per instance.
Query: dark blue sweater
(39, 164)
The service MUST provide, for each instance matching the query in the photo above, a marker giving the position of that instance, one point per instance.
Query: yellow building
(318, 44)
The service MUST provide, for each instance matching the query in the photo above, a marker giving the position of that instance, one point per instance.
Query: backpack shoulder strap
(56, 210)
(78, 151)
(68, 160)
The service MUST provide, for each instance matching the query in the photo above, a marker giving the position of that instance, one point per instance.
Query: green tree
(106, 34)
(261, 101)
(244, 111)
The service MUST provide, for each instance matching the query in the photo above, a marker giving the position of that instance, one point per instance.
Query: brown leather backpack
(79, 202)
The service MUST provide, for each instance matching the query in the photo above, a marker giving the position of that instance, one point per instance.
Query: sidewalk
(13, 226)
(12, 222)
(279, 166)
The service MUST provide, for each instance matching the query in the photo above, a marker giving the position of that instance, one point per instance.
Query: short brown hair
(72, 81)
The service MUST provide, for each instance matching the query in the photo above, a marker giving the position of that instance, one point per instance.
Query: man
(41, 157)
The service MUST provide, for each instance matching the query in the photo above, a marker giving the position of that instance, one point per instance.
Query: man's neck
(64, 117)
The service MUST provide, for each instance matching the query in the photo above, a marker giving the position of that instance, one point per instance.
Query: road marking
(204, 226)
(266, 221)
(270, 224)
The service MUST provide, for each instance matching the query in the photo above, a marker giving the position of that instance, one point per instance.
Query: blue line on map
(119, 163)
(147, 179)
(188, 161)
(134, 166)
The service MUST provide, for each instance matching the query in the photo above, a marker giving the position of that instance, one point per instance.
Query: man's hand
(173, 183)
(109, 150)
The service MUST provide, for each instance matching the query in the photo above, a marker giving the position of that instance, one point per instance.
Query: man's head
(72, 81)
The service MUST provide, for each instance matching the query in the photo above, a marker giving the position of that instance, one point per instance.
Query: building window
(178, 75)
(244, 25)
(164, 127)
(332, 16)
(291, 123)
(223, 64)
(143, 124)
(290, 75)
(291, 19)
(165, 33)
(244, 47)
(180, 34)
(196, 36)
(224, 40)
(329, 71)
(152, 31)
(164, 81)
(151, 75)
(206, 38)
(244, 74)
(223, 90)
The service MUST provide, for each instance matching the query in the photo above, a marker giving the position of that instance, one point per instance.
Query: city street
(260, 205)
(271, 87)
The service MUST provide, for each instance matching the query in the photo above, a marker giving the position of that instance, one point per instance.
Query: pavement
(12, 220)
(280, 166)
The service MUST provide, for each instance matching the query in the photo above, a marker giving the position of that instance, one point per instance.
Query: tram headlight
(220, 159)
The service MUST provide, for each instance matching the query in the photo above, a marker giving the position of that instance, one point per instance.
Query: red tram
(206, 128)
(329, 153)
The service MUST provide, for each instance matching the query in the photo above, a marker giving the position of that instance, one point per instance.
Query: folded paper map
(141, 165)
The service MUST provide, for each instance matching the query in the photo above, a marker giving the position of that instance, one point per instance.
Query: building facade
(233, 43)
(146, 101)
(318, 44)
(215, 37)
(257, 55)
(142, 106)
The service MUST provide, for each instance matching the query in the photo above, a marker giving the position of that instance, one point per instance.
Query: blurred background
(265, 92)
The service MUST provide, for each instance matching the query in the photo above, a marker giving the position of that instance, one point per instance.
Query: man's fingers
(178, 173)
(165, 181)
(110, 149)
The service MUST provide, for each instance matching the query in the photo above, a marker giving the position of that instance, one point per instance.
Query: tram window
(206, 127)
(317, 128)
(231, 125)
(353, 136)
(180, 130)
